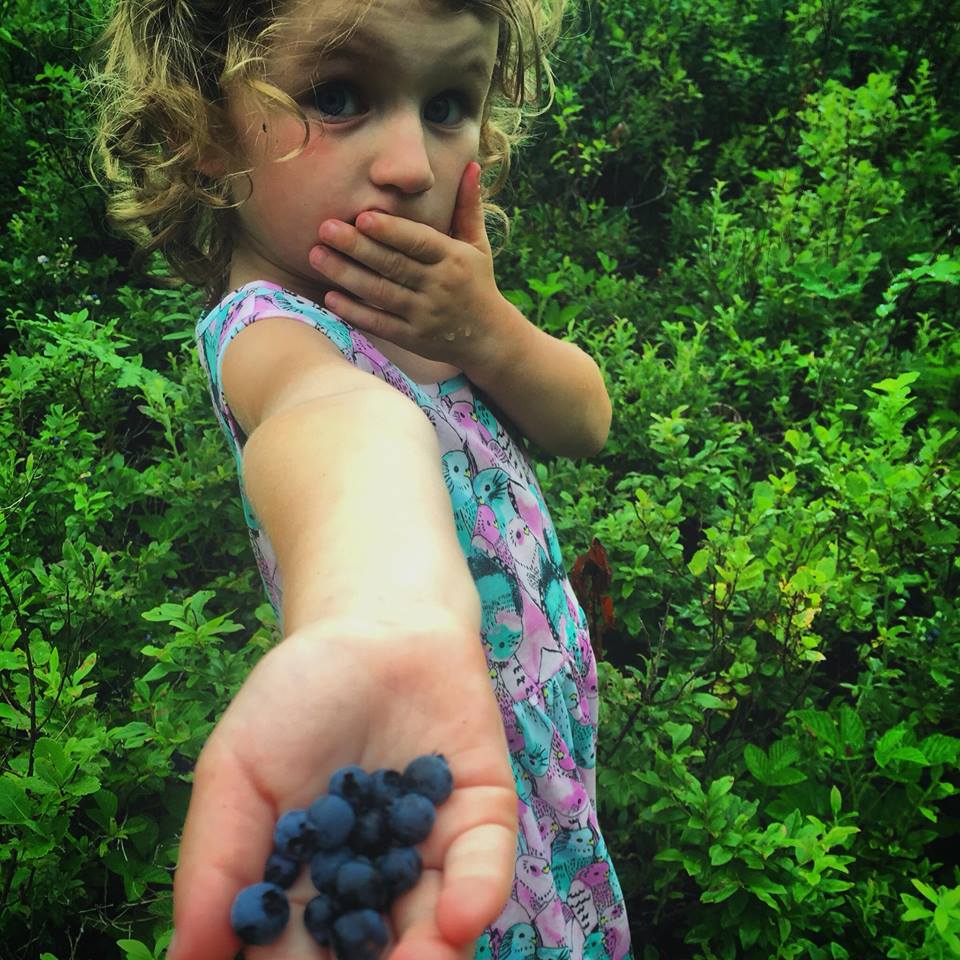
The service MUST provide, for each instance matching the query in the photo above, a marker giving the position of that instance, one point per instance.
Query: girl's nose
(402, 160)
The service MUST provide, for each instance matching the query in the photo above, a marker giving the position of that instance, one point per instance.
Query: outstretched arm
(381, 660)
(437, 296)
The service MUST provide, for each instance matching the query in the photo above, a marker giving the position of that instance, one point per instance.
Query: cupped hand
(313, 705)
(408, 283)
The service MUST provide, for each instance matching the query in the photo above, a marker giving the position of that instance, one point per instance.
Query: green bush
(752, 216)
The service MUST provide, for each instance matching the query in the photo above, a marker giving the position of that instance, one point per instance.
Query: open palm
(310, 707)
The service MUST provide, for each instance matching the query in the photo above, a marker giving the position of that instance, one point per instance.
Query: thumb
(222, 837)
(467, 224)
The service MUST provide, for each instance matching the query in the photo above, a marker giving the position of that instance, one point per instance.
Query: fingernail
(318, 255)
(329, 230)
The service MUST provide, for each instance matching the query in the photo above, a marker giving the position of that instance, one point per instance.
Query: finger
(419, 241)
(363, 283)
(475, 840)
(368, 318)
(224, 804)
(467, 224)
(379, 257)
(414, 916)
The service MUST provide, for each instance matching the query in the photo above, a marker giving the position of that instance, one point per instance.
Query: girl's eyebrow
(371, 50)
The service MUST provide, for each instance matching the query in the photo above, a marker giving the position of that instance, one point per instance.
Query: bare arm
(381, 660)
(344, 474)
(437, 296)
(550, 388)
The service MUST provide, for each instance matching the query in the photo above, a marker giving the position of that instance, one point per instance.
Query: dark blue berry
(281, 870)
(324, 866)
(359, 935)
(352, 783)
(385, 785)
(430, 776)
(333, 819)
(359, 885)
(370, 833)
(259, 913)
(295, 836)
(400, 868)
(318, 917)
(411, 819)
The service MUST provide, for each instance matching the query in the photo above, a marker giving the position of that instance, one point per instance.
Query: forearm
(350, 493)
(550, 388)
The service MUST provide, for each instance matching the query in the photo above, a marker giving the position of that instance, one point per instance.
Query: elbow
(598, 437)
(597, 430)
(591, 437)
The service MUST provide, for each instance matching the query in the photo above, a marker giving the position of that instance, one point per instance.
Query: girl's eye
(337, 100)
(446, 108)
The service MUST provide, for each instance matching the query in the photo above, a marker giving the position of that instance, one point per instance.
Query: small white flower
(43, 258)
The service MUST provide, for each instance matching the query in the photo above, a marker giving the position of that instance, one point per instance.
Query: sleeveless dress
(566, 901)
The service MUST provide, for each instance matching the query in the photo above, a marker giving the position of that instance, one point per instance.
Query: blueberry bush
(752, 215)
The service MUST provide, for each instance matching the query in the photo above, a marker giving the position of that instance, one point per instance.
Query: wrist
(506, 345)
(415, 628)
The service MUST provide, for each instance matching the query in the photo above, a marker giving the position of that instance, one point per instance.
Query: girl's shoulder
(255, 301)
(262, 298)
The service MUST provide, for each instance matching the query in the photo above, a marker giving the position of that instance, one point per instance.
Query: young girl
(314, 164)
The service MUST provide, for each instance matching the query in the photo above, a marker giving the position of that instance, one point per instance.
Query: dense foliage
(752, 212)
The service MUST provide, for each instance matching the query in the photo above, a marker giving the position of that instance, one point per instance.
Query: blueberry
(360, 885)
(359, 935)
(411, 819)
(400, 868)
(352, 783)
(324, 866)
(318, 917)
(370, 833)
(280, 870)
(332, 818)
(295, 836)
(430, 776)
(259, 913)
(385, 785)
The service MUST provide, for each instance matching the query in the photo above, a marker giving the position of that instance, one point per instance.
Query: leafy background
(752, 212)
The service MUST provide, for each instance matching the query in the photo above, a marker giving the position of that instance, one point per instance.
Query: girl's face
(400, 101)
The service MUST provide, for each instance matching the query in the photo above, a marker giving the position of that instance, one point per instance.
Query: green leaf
(822, 727)
(83, 786)
(886, 745)
(939, 748)
(135, 950)
(698, 562)
(670, 855)
(835, 800)
(719, 855)
(679, 733)
(12, 660)
(926, 890)
(708, 701)
(719, 788)
(14, 806)
(719, 894)
(908, 755)
(762, 888)
(756, 762)
(898, 384)
(852, 730)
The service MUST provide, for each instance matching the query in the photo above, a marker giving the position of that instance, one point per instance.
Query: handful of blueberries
(358, 839)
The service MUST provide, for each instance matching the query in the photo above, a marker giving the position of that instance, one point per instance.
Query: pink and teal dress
(566, 901)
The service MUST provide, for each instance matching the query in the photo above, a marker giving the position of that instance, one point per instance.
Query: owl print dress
(566, 901)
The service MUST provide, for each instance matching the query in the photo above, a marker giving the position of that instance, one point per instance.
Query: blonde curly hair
(162, 71)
